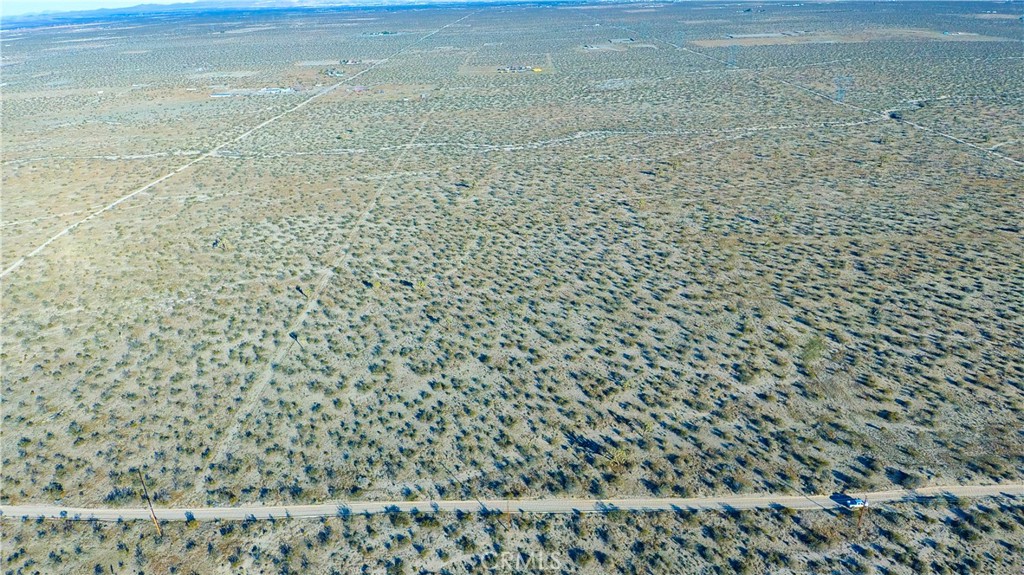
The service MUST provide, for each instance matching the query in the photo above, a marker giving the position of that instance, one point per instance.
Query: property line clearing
(212, 152)
(816, 93)
(256, 391)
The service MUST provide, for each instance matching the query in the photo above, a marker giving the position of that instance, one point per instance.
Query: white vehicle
(856, 503)
(848, 501)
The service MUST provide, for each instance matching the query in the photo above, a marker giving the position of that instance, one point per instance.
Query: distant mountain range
(234, 5)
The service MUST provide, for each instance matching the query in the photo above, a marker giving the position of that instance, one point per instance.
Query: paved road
(15, 512)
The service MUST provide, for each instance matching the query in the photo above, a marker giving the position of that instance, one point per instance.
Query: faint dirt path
(822, 95)
(256, 391)
(212, 152)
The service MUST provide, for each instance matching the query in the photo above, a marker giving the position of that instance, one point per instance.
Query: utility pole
(860, 516)
(152, 513)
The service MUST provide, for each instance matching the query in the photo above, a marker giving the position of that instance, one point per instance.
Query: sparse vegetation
(641, 270)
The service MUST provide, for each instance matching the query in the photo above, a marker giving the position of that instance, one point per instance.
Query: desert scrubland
(593, 251)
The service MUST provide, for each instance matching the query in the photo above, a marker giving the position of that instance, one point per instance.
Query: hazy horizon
(24, 7)
(32, 7)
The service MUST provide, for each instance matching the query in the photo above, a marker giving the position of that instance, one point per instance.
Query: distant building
(518, 69)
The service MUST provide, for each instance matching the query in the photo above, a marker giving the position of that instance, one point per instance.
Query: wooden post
(152, 513)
